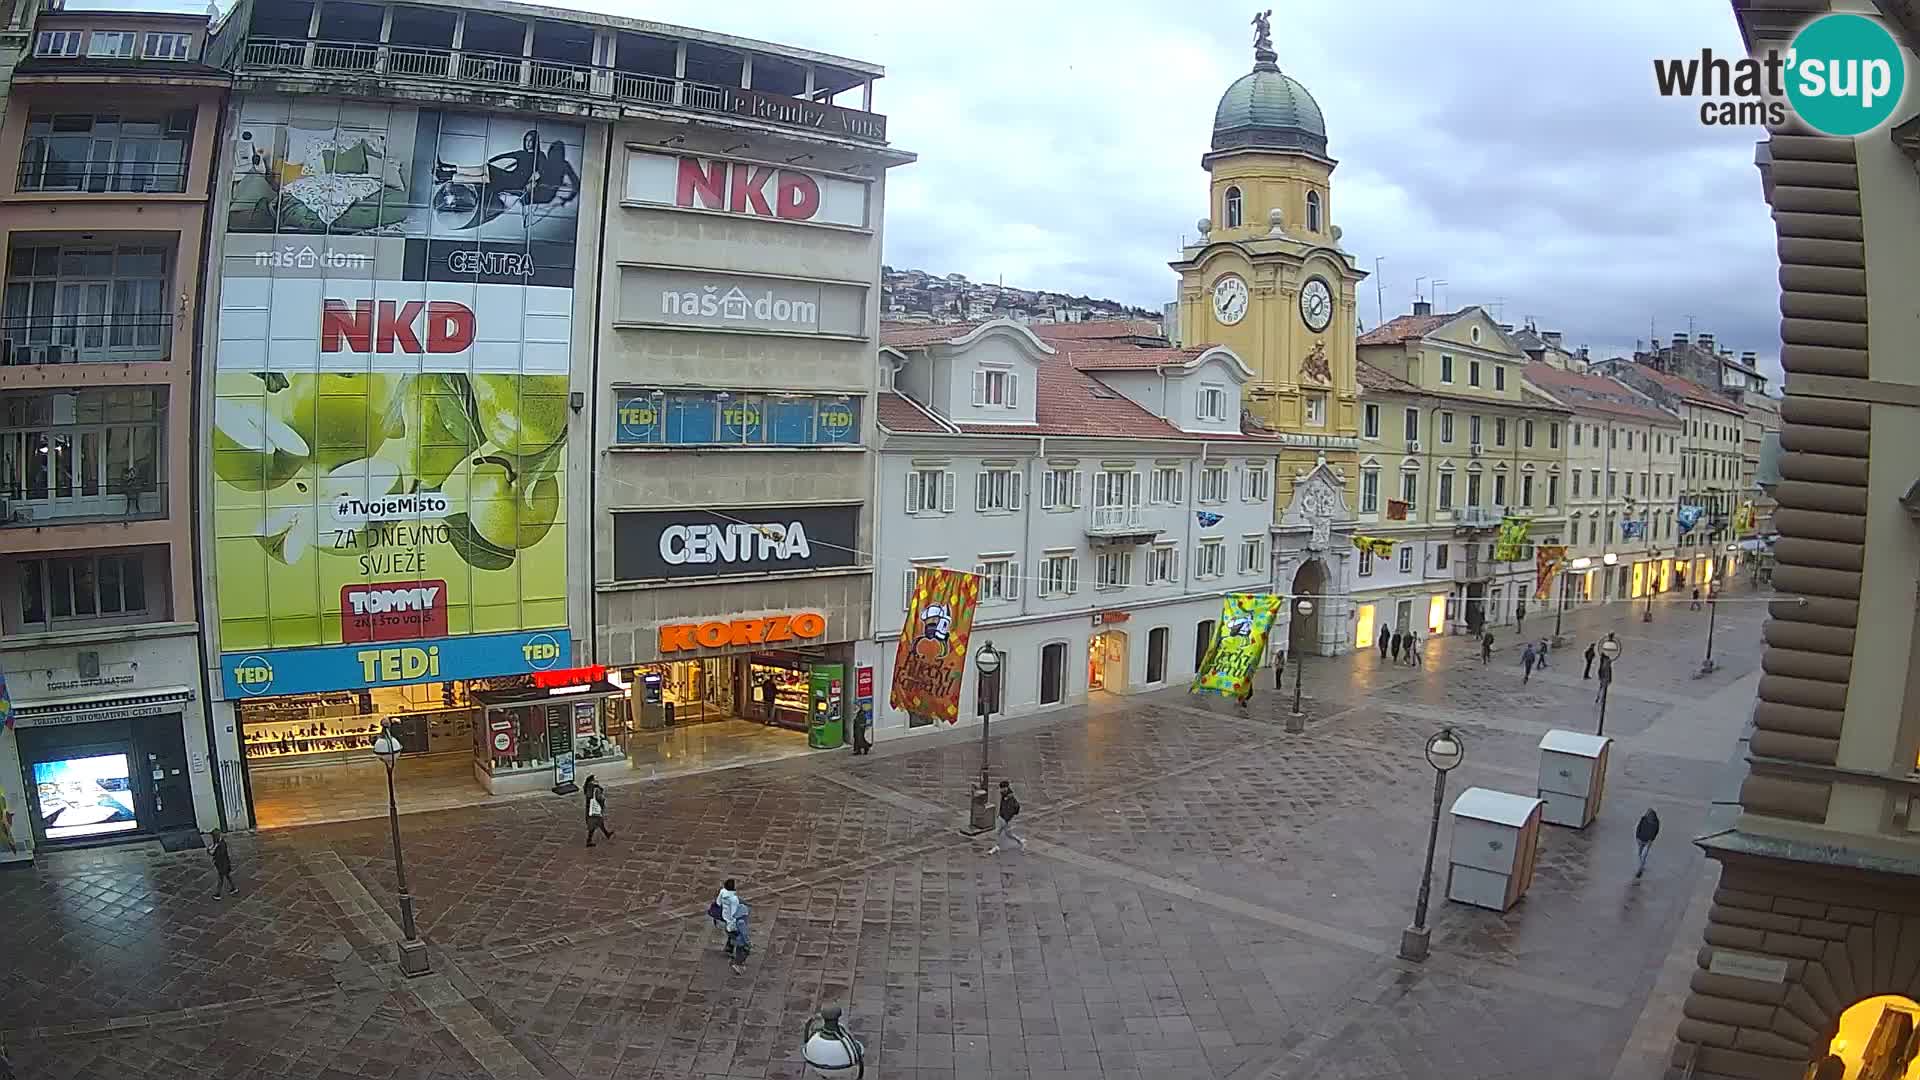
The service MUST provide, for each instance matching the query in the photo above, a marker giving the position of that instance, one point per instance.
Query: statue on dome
(1263, 30)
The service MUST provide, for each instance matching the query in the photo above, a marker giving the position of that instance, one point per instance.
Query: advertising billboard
(391, 391)
(698, 299)
(698, 542)
(746, 188)
(723, 418)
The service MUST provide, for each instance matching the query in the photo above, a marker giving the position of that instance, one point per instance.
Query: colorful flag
(1396, 510)
(1382, 549)
(932, 659)
(1743, 520)
(1208, 519)
(1239, 640)
(1689, 516)
(1630, 530)
(1513, 537)
(1547, 561)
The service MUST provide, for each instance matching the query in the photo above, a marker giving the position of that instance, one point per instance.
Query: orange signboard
(771, 630)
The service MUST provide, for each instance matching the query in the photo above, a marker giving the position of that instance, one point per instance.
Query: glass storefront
(328, 728)
(536, 728)
(773, 687)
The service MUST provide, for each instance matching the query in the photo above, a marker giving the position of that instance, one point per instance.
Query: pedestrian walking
(862, 736)
(596, 810)
(1546, 647)
(1246, 692)
(1399, 645)
(1413, 649)
(1646, 833)
(725, 911)
(1520, 619)
(1386, 642)
(1009, 809)
(742, 939)
(1592, 651)
(222, 864)
(1486, 648)
(1280, 668)
(1695, 606)
(1527, 660)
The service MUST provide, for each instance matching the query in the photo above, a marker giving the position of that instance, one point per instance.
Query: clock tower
(1269, 279)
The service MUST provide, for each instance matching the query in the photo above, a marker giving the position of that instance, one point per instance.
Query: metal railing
(81, 177)
(65, 500)
(557, 77)
(86, 339)
(1114, 518)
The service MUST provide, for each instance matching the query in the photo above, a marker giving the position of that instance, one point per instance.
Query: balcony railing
(79, 500)
(556, 77)
(86, 339)
(1120, 520)
(81, 177)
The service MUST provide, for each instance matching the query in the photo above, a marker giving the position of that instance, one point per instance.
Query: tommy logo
(393, 611)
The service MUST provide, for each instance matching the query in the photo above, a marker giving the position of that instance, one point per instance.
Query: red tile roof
(913, 335)
(901, 415)
(1099, 329)
(1594, 393)
(1405, 327)
(1372, 378)
(1685, 389)
(1105, 356)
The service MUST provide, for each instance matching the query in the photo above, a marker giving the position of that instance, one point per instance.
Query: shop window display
(316, 729)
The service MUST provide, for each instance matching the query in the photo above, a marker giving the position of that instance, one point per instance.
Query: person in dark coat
(596, 810)
(1413, 649)
(222, 864)
(1593, 650)
(1280, 667)
(1606, 677)
(1527, 660)
(1486, 648)
(1695, 606)
(1009, 809)
(1520, 618)
(1386, 642)
(1646, 833)
(1399, 644)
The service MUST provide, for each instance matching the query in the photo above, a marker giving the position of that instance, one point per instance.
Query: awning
(515, 699)
(1753, 545)
(91, 708)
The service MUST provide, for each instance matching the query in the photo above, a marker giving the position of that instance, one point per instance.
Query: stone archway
(1303, 631)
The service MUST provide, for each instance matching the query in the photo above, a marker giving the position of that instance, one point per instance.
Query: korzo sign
(749, 189)
(696, 542)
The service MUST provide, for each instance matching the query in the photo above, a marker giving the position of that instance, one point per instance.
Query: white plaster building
(1106, 494)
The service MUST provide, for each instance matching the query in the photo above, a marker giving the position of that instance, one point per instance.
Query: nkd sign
(749, 189)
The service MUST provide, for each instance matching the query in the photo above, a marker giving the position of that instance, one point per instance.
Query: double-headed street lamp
(1445, 753)
(1297, 720)
(413, 951)
(987, 663)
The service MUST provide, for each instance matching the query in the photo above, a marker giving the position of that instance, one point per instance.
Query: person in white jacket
(729, 905)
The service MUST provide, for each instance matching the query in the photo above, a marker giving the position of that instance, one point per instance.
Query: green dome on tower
(1267, 109)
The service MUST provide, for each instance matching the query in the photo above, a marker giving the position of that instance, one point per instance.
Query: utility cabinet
(1496, 837)
(1573, 776)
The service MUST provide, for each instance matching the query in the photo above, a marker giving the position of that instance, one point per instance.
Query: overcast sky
(1513, 148)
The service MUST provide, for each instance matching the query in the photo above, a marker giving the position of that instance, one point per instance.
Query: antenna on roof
(1416, 288)
(1499, 305)
(1438, 283)
(1379, 292)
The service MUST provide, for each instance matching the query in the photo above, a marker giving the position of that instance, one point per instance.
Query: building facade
(1106, 496)
(1712, 439)
(106, 163)
(1452, 443)
(1810, 946)
(501, 290)
(1623, 481)
(1269, 280)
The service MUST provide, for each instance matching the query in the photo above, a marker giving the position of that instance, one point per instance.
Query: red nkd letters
(739, 188)
(391, 326)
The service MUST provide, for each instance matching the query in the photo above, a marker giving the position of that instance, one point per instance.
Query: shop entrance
(107, 781)
(1107, 660)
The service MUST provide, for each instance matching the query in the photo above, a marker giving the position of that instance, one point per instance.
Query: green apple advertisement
(389, 430)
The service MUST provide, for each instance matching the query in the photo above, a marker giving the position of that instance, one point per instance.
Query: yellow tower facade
(1269, 279)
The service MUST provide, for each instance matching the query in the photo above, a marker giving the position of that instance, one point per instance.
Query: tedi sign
(746, 188)
(701, 542)
(1842, 75)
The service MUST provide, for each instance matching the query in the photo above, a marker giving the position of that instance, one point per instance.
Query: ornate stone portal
(1311, 545)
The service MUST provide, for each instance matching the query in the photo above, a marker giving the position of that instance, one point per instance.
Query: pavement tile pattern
(1205, 896)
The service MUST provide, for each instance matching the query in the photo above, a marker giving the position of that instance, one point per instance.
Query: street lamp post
(413, 951)
(1297, 720)
(1609, 651)
(829, 1047)
(1713, 610)
(987, 663)
(1444, 753)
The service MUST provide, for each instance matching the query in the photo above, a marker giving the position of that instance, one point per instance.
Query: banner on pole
(1513, 539)
(1239, 640)
(1548, 560)
(932, 659)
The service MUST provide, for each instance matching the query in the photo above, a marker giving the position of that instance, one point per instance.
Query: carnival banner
(1238, 643)
(1689, 516)
(1381, 549)
(1548, 560)
(1513, 538)
(932, 658)
(1744, 519)
(1632, 530)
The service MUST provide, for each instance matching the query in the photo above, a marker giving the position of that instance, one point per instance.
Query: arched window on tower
(1313, 211)
(1233, 208)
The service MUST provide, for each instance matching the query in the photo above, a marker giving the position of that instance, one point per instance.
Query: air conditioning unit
(1475, 449)
(1413, 446)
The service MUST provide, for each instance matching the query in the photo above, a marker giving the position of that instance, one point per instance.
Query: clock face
(1316, 304)
(1229, 300)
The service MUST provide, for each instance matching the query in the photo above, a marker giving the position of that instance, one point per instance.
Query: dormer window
(159, 46)
(996, 387)
(1233, 213)
(1313, 211)
(58, 43)
(112, 44)
(1213, 403)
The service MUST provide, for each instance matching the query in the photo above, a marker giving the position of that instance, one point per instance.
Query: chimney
(1706, 342)
(1751, 359)
(1423, 307)
(1553, 338)
(1583, 352)
(1679, 341)
(1506, 328)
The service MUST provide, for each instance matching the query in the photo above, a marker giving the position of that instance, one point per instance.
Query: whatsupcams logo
(1841, 75)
